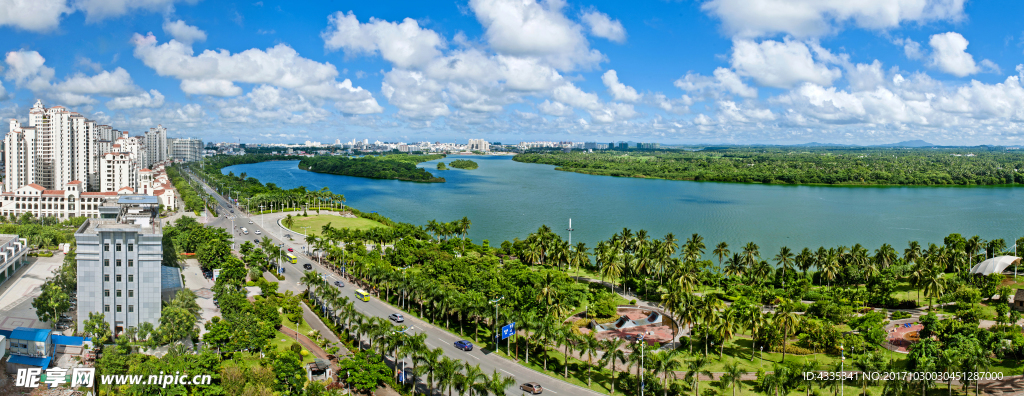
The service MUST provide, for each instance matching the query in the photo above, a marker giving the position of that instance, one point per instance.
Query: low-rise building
(12, 255)
(29, 348)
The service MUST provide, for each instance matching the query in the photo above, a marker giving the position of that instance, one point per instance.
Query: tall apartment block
(185, 150)
(119, 264)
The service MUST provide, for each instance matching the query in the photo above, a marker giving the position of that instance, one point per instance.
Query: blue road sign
(508, 330)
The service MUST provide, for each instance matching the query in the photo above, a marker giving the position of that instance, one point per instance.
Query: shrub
(304, 353)
(295, 347)
(605, 308)
(632, 302)
(793, 349)
(899, 315)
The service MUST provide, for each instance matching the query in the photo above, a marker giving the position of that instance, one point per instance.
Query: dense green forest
(395, 167)
(463, 164)
(800, 165)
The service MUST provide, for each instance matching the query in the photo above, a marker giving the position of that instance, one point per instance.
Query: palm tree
(726, 328)
(566, 339)
(733, 377)
(933, 286)
(735, 266)
(430, 361)
(785, 260)
(613, 354)
(471, 381)
(288, 221)
(447, 370)
(805, 260)
(665, 363)
(751, 254)
(721, 251)
(696, 368)
(755, 321)
(496, 384)
(787, 321)
(589, 346)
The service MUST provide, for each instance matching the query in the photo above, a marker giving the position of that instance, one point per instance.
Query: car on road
(397, 317)
(258, 232)
(232, 211)
(290, 250)
(250, 221)
(308, 266)
(532, 388)
(464, 345)
(339, 283)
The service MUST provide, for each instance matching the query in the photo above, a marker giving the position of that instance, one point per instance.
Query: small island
(463, 164)
(440, 166)
(393, 167)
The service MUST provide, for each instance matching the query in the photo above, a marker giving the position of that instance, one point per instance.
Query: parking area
(16, 294)
(202, 287)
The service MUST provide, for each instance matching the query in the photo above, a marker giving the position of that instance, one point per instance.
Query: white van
(245, 231)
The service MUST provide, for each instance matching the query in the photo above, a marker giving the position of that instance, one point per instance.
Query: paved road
(436, 337)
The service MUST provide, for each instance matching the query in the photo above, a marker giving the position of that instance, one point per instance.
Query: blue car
(464, 345)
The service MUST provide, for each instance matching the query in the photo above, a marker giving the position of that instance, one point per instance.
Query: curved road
(436, 337)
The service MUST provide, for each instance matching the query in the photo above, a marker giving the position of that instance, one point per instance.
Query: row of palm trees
(441, 372)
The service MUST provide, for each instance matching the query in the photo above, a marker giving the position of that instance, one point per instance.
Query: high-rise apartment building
(155, 142)
(119, 264)
(185, 150)
(479, 145)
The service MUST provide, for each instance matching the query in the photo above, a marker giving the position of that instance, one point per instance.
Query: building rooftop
(170, 278)
(137, 200)
(30, 334)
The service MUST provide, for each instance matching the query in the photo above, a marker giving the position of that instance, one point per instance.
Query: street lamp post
(643, 345)
(842, 368)
(495, 302)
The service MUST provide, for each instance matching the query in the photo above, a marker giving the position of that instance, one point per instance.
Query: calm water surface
(506, 199)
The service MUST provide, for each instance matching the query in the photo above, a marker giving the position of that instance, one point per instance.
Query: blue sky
(711, 71)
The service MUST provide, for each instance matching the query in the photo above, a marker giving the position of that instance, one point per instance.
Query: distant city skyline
(703, 72)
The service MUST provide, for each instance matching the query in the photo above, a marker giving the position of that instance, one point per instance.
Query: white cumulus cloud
(183, 32)
(601, 25)
(815, 18)
(531, 29)
(33, 15)
(98, 10)
(153, 98)
(619, 90)
(781, 64)
(404, 44)
(949, 54)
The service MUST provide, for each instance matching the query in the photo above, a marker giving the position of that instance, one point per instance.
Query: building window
(131, 308)
(118, 247)
(106, 247)
(131, 247)
(118, 277)
(106, 308)
(131, 278)
(118, 262)
(119, 308)
(131, 263)
(131, 293)
(119, 292)
(106, 293)
(106, 262)
(106, 277)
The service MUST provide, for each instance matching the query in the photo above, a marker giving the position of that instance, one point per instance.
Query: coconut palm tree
(496, 383)
(721, 251)
(787, 321)
(665, 364)
(613, 354)
(567, 340)
(696, 368)
(447, 370)
(785, 260)
(589, 346)
(471, 381)
(429, 362)
(733, 377)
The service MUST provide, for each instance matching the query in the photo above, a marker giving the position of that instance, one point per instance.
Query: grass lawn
(283, 343)
(304, 328)
(316, 223)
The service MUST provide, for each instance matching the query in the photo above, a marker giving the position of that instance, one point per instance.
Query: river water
(506, 199)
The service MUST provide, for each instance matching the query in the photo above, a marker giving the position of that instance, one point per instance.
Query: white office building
(479, 145)
(119, 264)
(185, 150)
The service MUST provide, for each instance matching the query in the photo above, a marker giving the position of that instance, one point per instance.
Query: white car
(258, 232)
(250, 221)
